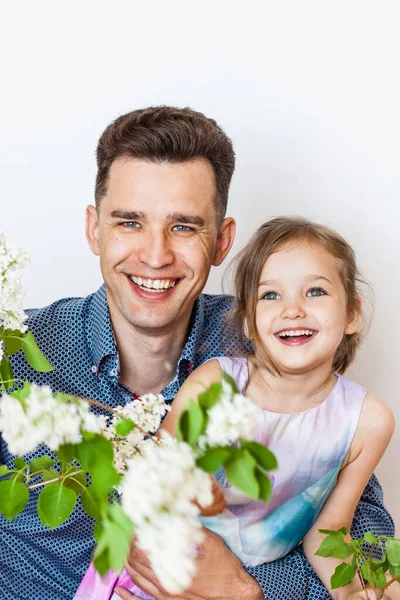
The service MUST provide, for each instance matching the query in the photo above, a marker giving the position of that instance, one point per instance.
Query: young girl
(297, 301)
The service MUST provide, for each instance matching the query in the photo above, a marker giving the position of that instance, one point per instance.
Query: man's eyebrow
(128, 215)
(191, 219)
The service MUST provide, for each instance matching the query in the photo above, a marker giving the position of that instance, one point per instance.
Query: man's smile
(154, 286)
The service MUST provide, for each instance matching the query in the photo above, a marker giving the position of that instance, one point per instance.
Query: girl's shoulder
(375, 426)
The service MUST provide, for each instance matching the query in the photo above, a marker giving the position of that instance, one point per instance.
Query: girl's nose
(293, 310)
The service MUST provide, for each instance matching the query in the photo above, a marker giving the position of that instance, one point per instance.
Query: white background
(308, 91)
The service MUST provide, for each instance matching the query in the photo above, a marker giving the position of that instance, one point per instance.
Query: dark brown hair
(248, 265)
(167, 134)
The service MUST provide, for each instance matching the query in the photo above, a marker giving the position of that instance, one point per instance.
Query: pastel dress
(310, 447)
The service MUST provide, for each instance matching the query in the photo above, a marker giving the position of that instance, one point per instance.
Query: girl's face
(301, 313)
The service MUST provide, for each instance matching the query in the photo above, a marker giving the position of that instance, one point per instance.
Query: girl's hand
(218, 503)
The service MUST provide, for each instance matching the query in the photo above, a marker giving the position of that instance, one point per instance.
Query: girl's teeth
(295, 333)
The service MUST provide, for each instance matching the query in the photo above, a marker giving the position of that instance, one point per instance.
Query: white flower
(146, 412)
(43, 419)
(230, 419)
(12, 260)
(158, 491)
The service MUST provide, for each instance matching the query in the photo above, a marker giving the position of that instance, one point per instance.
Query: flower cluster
(230, 419)
(41, 418)
(12, 260)
(146, 413)
(158, 491)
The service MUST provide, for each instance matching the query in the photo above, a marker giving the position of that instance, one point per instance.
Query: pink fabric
(94, 587)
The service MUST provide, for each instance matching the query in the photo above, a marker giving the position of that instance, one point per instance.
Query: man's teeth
(295, 332)
(154, 284)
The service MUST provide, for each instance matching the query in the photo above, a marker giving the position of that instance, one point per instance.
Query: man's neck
(147, 361)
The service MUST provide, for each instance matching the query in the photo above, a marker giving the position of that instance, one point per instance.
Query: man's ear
(226, 235)
(92, 229)
(354, 318)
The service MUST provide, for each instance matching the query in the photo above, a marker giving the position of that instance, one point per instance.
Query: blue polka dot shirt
(76, 335)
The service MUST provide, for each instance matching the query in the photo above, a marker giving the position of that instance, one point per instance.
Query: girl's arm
(375, 428)
(194, 385)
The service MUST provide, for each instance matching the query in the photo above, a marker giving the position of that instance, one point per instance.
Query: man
(158, 226)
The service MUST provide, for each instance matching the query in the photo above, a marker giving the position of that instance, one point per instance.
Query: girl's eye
(271, 296)
(315, 292)
(131, 224)
(183, 228)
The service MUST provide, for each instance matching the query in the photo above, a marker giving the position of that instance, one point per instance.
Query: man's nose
(156, 250)
(293, 309)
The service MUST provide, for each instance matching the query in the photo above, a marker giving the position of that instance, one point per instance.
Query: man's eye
(183, 228)
(130, 224)
(271, 296)
(315, 292)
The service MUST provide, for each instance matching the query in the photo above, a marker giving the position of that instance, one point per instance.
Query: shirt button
(113, 372)
(94, 369)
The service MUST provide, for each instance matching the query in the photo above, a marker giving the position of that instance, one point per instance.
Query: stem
(370, 567)
(42, 483)
(396, 578)
(94, 402)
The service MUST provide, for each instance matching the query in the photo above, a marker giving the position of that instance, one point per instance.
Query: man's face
(157, 237)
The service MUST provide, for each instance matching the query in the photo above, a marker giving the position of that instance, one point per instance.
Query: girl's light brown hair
(248, 265)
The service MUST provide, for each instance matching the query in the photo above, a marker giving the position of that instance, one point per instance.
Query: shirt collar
(99, 331)
(101, 339)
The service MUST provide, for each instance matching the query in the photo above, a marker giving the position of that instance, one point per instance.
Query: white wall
(309, 93)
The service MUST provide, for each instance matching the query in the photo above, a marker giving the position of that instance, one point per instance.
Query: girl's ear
(354, 318)
(246, 329)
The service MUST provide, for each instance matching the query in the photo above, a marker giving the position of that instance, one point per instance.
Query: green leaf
(124, 426)
(114, 542)
(229, 379)
(77, 482)
(34, 356)
(66, 453)
(334, 545)
(97, 451)
(182, 426)
(19, 463)
(343, 574)
(55, 504)
(369, 537)
(41, 464)
(104, 478)
(211, 396)
(379, 578)
(367, 573)
(195, 422)
(4, 470)
(91, 504)
(213, 458)
(101, 563)
(264, 457)
(12, 341)
(394, 570)
(341, 530)
(120, 517)
(240, 472)
(14, 497)
(50, 474)
(6, 374)
(393, 552)
(265, 485)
